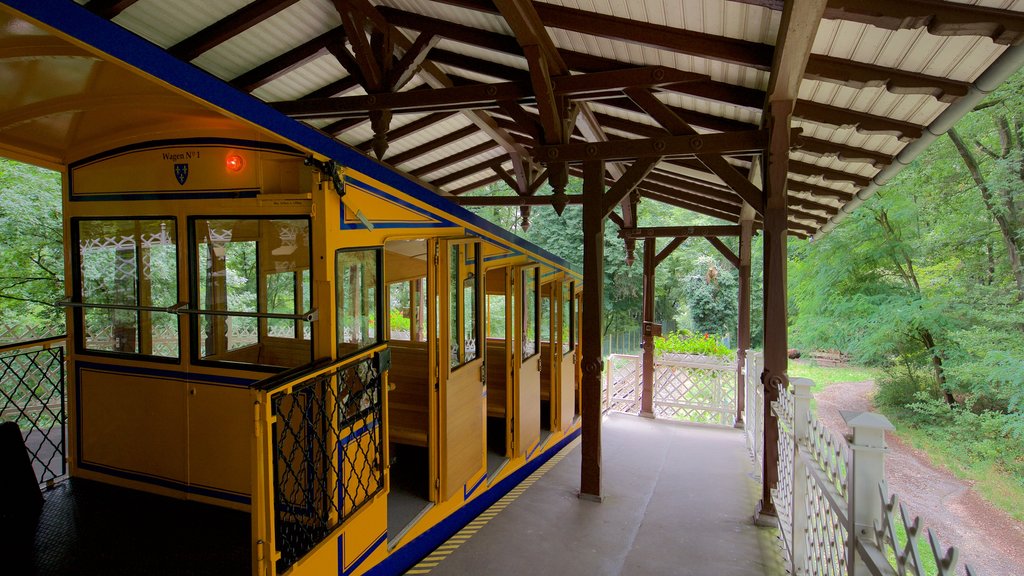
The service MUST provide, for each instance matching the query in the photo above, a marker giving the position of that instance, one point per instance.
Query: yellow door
(527, 358)
(460, 363)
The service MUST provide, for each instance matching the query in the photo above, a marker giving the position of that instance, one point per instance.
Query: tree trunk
(940, 374)
(1006, 228)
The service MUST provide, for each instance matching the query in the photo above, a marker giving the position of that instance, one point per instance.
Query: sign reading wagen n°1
(174, 169)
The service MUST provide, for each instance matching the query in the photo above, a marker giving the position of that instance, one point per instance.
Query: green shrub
(686, 342)
(399, 323)
(900, 388)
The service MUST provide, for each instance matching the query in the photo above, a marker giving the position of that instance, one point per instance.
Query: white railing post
(867, 469)
(801, 425)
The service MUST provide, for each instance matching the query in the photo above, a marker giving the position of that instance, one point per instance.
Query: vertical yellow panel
(220, 430)
(133, 423)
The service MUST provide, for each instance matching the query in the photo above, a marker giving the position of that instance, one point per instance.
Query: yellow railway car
(362, 368)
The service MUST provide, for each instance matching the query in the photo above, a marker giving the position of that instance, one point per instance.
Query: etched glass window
(127, 271)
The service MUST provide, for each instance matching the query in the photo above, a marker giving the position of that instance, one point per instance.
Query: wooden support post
(593, 305)
(647, 332)
(775, 342)
(743, 329)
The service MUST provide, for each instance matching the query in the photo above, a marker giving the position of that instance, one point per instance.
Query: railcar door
(461, 363)
(527, 358)
(565, 358)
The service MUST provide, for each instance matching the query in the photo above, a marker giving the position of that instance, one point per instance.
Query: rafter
(625, 185)
(709, 90)
(717, 164)
(411, 128)
(474, 185)
(724, 250)
(108, 8)
(744, 53)
(433, 145)
(698, 145)
(290, 60)
(469, 171)
(473, 96)
(226, 28)
(674, 231)
(454, 158)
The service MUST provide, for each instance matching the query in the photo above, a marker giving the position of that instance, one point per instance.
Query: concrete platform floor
(679, 500)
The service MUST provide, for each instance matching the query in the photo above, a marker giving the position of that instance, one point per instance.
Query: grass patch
(825, 376)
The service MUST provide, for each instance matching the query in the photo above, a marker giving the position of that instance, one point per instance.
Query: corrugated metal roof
(840, 117)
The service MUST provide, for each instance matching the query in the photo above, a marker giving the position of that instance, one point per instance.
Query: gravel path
(988, 539)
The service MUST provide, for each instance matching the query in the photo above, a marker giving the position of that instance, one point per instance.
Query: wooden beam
(710, 90)
(454, 158)
(290, 60)
(592, 363)
(675, 125)
(474, 185)
(514, 200)
(668, 249)
(362, 52)
(697, 206)
(725, 251)
(627, 183)
(775, 317)
(675, 231)
(743, 323)
(225, 28)
(794, 185)
(698, 145)
(413, 127)
(646, 331)
(940, 18)
(808, 169)
(470, 170)
(432, 146)
(800, 21)
(411, 61)
(467, 97)
(745, 53)
(336, 88)
(108, 8)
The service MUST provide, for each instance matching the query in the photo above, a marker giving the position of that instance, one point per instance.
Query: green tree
(33, 256)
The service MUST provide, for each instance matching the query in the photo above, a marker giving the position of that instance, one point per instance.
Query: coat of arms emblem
(181, 173)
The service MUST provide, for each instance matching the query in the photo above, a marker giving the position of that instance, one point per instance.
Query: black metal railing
(328, 453)
(32, 396)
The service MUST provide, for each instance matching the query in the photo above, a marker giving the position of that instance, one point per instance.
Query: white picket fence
(835, 514)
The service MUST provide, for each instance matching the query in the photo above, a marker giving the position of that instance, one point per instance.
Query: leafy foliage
(33, 256)
(686, 342)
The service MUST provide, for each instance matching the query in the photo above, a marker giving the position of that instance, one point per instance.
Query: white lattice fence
(753, 414)
(826, 486)
(622, 383)
(695, 389)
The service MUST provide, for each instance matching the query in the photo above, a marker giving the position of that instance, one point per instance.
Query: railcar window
(126, 268)
(463, 290)
(530, 317)
(252, 286)
(358, 281)
(496, 316)
(408, 308)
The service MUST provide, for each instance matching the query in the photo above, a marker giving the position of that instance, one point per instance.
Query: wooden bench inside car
(497, 379)
(409, 394)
